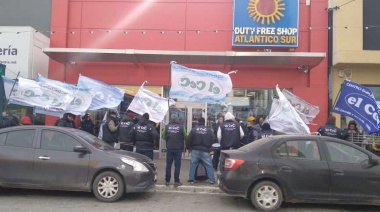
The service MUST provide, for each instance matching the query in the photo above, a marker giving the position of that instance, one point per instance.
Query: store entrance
(188, 114)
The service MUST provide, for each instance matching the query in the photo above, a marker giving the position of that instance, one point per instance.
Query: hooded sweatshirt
(230, 132)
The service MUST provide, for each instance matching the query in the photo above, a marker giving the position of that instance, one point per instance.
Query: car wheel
(108, 187)
(266, 196)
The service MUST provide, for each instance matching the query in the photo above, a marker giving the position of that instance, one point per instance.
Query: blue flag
(358, 102)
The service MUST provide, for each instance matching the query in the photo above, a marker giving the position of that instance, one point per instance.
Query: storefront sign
(266, 23)
(195, 85)
(358, 102)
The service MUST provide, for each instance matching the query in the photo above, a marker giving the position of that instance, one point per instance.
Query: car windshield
(93, 140)
(255, 144)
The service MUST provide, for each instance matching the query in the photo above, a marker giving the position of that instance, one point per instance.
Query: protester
(199, 142)
(248, 131)
(86, 124)
(13, 119)
(144, 135)
(175, 134)
(5, 121)
(26, 120)
(66, 121)
(266, 131)
(330, 129)
(125, 126)
(215, 158)
(110, 129)
(352, 133)
(230, 133)
(257, 128)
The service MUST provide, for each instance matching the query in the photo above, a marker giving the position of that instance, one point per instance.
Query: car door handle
(338, 172)
(44, 158)
(286, 169)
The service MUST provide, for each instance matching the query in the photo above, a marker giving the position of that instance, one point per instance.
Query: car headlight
(137, 166)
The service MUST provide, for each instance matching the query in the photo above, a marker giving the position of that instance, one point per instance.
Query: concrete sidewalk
(197, 187)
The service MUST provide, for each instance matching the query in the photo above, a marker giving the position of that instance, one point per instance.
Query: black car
(57, 158)
(300, 169)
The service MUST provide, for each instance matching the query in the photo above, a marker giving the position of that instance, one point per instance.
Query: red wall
(179, 20)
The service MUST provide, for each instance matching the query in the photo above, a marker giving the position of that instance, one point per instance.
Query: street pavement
(197, 187)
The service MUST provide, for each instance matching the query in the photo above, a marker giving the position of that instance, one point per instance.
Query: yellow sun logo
(266, 10)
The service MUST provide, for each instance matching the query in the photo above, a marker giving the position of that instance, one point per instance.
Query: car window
(20, 138)
(301, 149)
(93, 140)
(344, 153)
(3, 136)
(54, 140)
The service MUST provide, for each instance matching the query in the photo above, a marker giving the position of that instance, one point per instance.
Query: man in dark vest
(330, 129)
(144, 134)
(175, 134)
(125, 126)
(199, 142)
(66, 121)
(230, 133)
(110, 129)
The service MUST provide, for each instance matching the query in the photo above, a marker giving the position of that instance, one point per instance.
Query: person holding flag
(110, 128)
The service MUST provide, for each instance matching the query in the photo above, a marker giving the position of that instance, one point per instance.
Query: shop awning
(290, 59)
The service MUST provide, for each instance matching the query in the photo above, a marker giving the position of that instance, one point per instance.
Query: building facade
(126, 42)
(356, 48)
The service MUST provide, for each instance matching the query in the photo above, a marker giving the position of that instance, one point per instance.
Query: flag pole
(337, 97)
(169, 81)
(10, 93)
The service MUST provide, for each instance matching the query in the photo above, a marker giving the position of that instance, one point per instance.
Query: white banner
(146, 101)
(195, 85)
(105, 96)
(78, 106)
(284, 118)
(41, 94)
(304, 108)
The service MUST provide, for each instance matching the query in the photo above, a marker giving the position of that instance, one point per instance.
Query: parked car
(57, 158)
(295, 168)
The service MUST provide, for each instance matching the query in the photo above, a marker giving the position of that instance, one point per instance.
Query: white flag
(284, 118)
(195, 85)
(306, 110)
(146, 101)
(100, 136)
(42, 94)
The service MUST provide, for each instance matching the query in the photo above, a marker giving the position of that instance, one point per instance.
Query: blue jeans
(148, 153)
(196, 157)
(171, 155)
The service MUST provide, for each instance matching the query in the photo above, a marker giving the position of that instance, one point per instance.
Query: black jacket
(64, 122)
(87, 125)
(330, 130)
(200, 138)
(230, 134)
(144, 134)
(124, 127)
(174, 136)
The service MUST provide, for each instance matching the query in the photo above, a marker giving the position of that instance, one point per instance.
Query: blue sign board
(266, 23)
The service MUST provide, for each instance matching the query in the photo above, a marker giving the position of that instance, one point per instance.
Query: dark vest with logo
(230, 134)
(174, 136)
(201, 138)
(124, 128)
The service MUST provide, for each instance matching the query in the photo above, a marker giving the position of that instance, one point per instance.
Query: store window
(243, 103)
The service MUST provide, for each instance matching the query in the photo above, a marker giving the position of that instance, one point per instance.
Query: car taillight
(232, 164)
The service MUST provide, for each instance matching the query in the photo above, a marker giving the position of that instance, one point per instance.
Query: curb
(189, 189)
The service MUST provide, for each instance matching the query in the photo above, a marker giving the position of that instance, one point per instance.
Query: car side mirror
(80, 149)
(373, 161)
